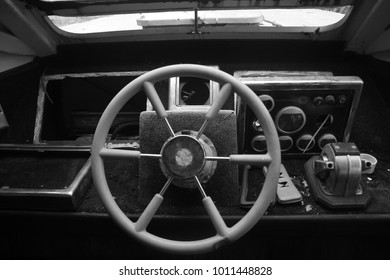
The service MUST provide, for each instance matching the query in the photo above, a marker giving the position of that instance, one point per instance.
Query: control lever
(3, 120)
(286, 191)
(334, 176)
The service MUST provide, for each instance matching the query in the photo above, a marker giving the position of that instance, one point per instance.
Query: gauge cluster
(191, 92)
(309, 110)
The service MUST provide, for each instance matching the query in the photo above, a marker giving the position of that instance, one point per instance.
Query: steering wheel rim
(224, 234)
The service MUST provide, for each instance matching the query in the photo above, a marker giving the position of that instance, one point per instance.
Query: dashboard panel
(309, 109)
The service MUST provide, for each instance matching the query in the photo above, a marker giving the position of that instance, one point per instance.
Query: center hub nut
(183, 157)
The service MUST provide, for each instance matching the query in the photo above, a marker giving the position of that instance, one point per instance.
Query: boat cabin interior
(186, 129)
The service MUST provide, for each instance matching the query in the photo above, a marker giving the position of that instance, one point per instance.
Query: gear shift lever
(334, 176)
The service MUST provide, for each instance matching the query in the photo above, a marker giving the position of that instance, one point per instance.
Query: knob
(330, 100)
(318, 101)
(257, 126)
(342, 99)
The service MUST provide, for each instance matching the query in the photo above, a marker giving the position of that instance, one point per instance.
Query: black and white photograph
(194, 139)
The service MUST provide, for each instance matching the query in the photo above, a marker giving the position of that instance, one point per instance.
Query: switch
(342, 99)
(330, 100)
(257, 126)
(318, 101)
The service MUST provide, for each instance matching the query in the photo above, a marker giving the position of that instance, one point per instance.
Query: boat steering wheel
(194, 147)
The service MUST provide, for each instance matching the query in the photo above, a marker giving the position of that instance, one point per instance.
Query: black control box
(309, 109)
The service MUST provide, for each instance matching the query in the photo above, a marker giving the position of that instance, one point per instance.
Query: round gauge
(290, 119)
(324, 121)
(286, 143)
(268, 101)
(326, 139)
(194, 91)
(259, 144)
(305, 143)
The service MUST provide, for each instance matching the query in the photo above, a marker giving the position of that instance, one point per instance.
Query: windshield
(261, 20)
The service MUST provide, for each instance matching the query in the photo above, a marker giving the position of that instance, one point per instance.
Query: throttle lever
(334, 176)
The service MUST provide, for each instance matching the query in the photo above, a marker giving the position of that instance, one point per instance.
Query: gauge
(259, 144)
(290, 119)
(305, 143)
(194, 91)
(324, 121)
(326, 139)
(286, 143)
(268, 101)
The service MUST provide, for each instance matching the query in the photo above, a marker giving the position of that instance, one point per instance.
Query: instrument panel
(310, 110)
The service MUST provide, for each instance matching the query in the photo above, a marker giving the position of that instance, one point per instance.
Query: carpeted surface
(222, 187)
(39, 171)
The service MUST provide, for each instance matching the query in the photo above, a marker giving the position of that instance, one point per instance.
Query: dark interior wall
(230, 55)
(371, 124)
(380, 73)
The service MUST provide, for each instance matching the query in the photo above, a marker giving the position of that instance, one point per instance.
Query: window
(250, 20)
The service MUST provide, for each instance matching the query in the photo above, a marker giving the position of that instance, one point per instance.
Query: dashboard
(309, 110)
(53, 115)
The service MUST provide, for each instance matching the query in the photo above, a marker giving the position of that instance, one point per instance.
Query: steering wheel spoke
(212, 211)
(215, 216)
(218, 103)
(259, 160)
(152, 94)
(145, 218)
(168, 125)
(149, 212)
(255, 160)
(200, 188)
(220, 100)
(126, 154)
(119, 153)
(166, 185)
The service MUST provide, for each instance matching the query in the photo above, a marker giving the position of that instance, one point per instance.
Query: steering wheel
(224, 234)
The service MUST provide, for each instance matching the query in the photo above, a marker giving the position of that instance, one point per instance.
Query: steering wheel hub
(184, 156)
